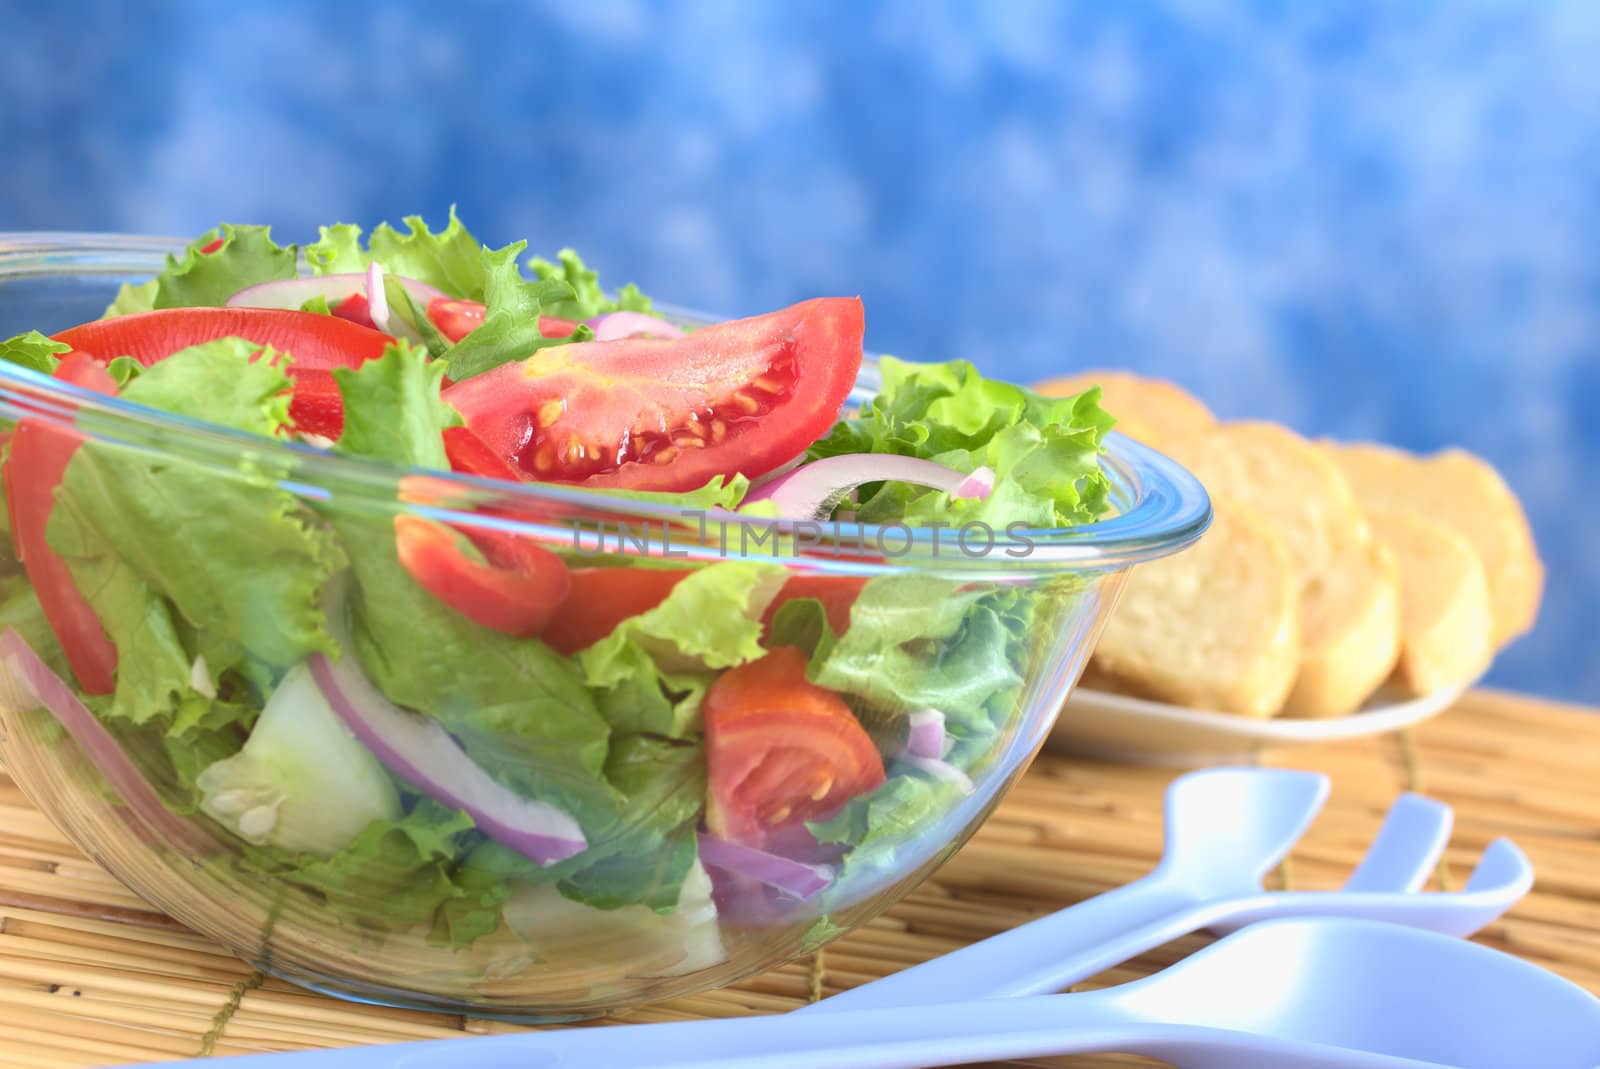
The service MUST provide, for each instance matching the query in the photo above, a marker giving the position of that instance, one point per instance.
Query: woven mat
(91, 976)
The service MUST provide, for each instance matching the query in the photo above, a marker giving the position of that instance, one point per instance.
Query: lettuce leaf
(1044, 451)
(518, 708)
(393, 410)
(451, 260)
(644, 856)
(513, 305)
(521, 711)
(588, 299)
(132, 297)
(395, 875)
(179, 560)
(650, 673)
(20, 611)
(878, 826)
(33, 351)
(248, 255)
(337, 250)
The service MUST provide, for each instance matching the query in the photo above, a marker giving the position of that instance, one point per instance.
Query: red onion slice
(422, 753)
(926, 737)
(26, 670)
(615, 325)
(794, 878)
(292, 293)
(377, 300)
(941, 770)
(811, 492)
(980, 484)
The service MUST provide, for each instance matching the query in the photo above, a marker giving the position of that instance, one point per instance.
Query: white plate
(1118, 728)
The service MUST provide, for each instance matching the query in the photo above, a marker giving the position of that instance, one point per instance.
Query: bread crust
(1465, 492)
(1348, 585)
(1215, 627)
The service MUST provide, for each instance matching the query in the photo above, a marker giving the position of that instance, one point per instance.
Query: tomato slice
(318, 344)
(516, 588)
(455, 318)
(658, 414)
(356, 309)
(40, 453)
(780, 750)
(601, 598)
(471, 455)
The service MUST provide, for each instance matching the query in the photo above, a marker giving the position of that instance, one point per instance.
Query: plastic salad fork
(1291, 994)
(1225, 829)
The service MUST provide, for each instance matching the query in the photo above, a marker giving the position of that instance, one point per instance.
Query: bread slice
(1464, 492)
(1146, 409)
(1349, 589)
(1215, 627)
(1445, 623)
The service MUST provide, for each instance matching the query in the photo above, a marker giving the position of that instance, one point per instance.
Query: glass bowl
(419, 907)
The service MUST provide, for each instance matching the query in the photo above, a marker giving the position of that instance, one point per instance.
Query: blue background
(1365, 220)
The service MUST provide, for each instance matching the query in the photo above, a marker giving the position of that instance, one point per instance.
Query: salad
(451, 730)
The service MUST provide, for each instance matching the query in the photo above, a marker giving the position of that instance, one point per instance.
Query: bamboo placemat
(91, 976)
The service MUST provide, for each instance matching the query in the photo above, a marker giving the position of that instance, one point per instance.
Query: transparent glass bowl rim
(1162, 508)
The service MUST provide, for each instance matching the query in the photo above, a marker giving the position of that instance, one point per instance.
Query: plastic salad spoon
(1291, 994)
(1226, 828)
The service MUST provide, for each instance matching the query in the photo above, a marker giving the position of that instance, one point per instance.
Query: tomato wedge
(318, 344)
(471, 455)
(654, 414)
(455, 318)
(780, 750)
(40, 453)
(515, 589)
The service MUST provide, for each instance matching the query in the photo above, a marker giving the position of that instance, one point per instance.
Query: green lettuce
(451, 260)
(1044, 451)
(393, 411)
(397, 874)
(178, 560)
(918, 642)
(520, 710)
(241, 560)
(513, 305)
(878, 826)
(33, 351)
(643, 856)
(588, 299)
(20, 611)
(133, 297)
(247, 256)
(519, 707)
(337, 251)
(650, 673)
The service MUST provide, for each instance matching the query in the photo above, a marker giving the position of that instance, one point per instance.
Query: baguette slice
(1446, 626)
(1146, 409)
(1215, 627)
(1464, 492)
(1349, 589)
